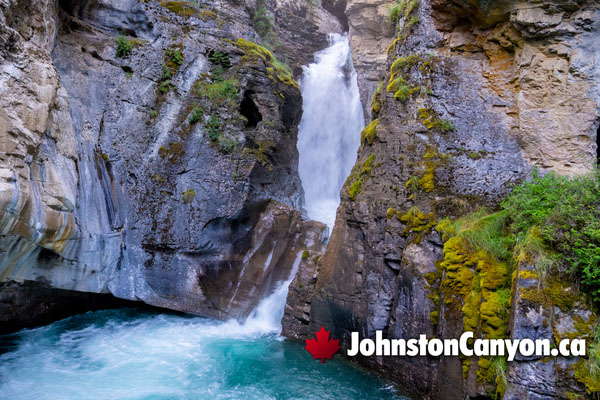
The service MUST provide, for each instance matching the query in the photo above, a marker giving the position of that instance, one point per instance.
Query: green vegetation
(174, 56)
(431, 121)
(220, 58)
(567, 213)
(410, 7)
(196, 115)
(181, 8)
(376, 100)
(172, 60)
(216, 136)
(125, 45)
(262, 21)
(173, 153)
(416, 222)
(305, 254)
(357, 178)
(219, 90)
(395, 11)
(188, 196)
(262, 152)
(402, 8)
(550, 222)
(474, 270)
(276, 69)
(403, 64)
(368, 133)
(588, 371)
(189, 9)
(404, 92)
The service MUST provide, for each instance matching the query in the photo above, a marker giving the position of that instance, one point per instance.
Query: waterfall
(329, 133)
(328, 140)
(266, 317)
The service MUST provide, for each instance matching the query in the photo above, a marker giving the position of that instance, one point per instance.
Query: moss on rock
(368, 134)
(276, 69)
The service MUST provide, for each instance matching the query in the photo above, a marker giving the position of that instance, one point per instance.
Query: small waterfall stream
(329, 133)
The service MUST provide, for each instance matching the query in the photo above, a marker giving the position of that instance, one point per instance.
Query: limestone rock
(141, 175)
(474, 95)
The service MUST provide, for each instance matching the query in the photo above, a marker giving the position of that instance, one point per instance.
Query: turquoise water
(133, 354)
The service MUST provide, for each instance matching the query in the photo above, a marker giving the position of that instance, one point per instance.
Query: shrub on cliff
(567, 213)
(556, 218)
(124, 47)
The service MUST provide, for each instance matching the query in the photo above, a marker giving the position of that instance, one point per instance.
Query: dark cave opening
(249, 110)
(46, 255)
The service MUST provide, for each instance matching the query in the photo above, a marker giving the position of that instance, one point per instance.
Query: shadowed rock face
(489, 90)
(106, 185)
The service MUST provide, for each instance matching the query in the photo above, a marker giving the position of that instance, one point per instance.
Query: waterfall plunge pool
(135, 354)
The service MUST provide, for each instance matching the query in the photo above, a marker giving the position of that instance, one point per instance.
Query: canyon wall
(148, 150)
(465, 98)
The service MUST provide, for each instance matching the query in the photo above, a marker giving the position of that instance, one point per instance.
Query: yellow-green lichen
(584, 375)
(427, 182)
(556, 292)
(188, 196)
(391, 212)
(262, 152)
(417, 222)
(481, 282)
(395, 84)
(412, 184)
(431, 121)
(405, 92)
(357, 178)
(402, 64)
(188, 9)
(376, 100)
(276, 69)
(173, 153)
(446, 228)
(392, 47)
(368, 134)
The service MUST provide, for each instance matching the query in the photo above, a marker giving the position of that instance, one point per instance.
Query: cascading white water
(329, 134)
(128, 354)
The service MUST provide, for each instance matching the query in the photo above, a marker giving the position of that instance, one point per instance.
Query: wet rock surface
(147, 154)
(473, 95)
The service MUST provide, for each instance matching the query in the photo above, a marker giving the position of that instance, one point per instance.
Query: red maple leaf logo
(322, 347)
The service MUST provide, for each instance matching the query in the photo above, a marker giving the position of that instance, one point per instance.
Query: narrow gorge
(265, 168)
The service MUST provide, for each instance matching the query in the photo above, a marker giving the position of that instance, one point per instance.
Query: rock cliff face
(149, 153)
(467, 98)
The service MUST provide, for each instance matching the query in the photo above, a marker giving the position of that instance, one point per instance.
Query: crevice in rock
(249, 110)
(46, 255)
(125, 19)
(338, 9)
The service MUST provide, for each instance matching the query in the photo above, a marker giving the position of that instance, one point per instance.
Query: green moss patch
(188, 196)
(278, 72)
(358, 175)
(368, 134)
